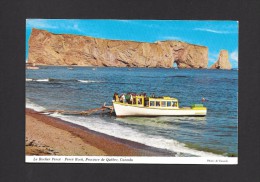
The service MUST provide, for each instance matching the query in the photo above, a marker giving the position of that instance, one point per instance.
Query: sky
(216, 35)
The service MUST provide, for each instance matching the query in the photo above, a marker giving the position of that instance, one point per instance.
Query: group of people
(129, 98)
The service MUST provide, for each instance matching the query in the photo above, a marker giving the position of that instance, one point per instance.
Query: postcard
(131, 91)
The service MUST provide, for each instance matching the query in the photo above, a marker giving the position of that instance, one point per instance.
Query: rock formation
(63, 49)
(222, 62)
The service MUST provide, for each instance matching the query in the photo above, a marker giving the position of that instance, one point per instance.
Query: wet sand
(47, 135)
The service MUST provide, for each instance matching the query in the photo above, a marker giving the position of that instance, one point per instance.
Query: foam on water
(36, 107)
(37, 80)
(88, 81)
(42, 80)
(123, 132)
(60, 80)
(28, 79)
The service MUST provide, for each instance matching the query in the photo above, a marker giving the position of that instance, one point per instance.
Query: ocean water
(84, 88)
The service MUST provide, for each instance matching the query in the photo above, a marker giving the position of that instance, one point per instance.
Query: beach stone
(222, 62)
(46, 48)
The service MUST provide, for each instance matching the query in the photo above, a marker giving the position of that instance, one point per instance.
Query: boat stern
(199, 109)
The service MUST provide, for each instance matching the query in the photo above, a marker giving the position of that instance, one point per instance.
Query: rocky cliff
(46, 48)
(222, 62)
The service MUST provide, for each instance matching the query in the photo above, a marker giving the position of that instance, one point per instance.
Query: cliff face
(222, 62)
(62, 49)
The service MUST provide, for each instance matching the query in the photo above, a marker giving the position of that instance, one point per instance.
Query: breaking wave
(30, 105)
(116, 130)
(89, 81)
(54, 80)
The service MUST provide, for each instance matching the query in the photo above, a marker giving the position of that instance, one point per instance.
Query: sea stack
(222, 62)
(46, 48)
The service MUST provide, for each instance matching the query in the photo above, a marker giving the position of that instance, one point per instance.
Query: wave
(179, 76)
(28, 79)
(89, 81)
(173, 76)
(54, 80)
(36, 80)
(30, 105)
(123, 132)
(42, 80)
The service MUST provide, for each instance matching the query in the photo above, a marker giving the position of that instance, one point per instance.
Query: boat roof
(164, 98)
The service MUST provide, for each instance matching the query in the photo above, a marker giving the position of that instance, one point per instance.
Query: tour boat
(140, 105)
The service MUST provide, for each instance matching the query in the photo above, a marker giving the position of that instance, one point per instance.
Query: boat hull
(123, 110)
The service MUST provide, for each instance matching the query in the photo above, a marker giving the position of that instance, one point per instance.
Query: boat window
(163, 103)
(151, 103)
(157, 103)
(169, 103)
(174, 104)
(146, 103)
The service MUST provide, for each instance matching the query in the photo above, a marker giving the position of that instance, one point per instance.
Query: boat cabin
(153, 102)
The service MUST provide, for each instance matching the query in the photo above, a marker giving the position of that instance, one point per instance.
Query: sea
(83, 88)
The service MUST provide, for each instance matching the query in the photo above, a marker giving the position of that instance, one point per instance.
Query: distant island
(46, 48)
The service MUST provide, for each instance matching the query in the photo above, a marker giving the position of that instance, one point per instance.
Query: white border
(132, 160)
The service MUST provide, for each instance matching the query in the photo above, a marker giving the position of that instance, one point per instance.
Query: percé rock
(222, 62)
(46, 48)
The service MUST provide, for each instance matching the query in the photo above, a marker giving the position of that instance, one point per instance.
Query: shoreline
(81, 66)
(47, 135)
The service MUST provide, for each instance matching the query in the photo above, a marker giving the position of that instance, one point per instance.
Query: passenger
(115, 96)
(134, 100)
(174, 104)
(127, 98)
(131, 99)
(146, 100)
(139, 101)
(123, 98)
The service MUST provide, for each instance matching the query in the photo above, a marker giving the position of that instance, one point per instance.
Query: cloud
(33, 23)
(213, 31)
(75, 27)
(234, 55)
(169, 38)
(126, 21)
(70, 25)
